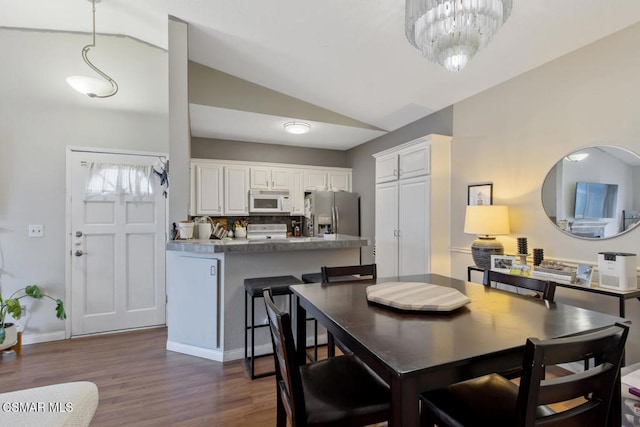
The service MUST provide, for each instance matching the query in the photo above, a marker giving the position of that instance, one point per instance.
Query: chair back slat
(597, 384)
(287, 371)
(348, 273)
(544, 287)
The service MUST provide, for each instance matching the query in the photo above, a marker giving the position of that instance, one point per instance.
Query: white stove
(266, 231)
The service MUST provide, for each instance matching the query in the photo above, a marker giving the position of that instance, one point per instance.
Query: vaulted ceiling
(348, 57)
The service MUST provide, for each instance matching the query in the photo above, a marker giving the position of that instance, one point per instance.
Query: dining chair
(493, 400)
(339, 391)
(544, 287)
(347, 273)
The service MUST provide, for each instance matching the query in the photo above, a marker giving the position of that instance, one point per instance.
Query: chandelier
(450, 32)
(92, 86)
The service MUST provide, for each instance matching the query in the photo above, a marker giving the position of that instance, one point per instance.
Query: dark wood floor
(142, 384)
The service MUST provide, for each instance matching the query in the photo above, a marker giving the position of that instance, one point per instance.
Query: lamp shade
(486, 220)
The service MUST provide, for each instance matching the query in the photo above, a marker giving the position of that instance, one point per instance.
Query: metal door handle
(78, 233)
(79, 253)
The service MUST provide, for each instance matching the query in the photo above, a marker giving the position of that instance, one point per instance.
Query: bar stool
(312, 277)
(254, 287)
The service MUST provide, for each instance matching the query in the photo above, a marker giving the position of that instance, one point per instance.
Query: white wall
(34, 132)
(513, 134)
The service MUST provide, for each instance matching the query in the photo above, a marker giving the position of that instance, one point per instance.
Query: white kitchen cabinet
(221, 187)
(412, 207)
(193, 314)
(314, 179)
(386, 225)
(328, 179)
(405, 163)
(236, 191)
(206, 189)
(339, 180)
(266, 178)
(297, 191)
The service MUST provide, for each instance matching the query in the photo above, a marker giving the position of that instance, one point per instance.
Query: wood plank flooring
(142, 384)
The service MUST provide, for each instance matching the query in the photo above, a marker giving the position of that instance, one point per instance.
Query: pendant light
(92, 86)
(451, 32)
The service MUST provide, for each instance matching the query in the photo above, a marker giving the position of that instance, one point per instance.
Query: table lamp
(486, 221)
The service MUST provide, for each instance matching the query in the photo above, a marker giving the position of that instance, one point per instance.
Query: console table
(620, 295)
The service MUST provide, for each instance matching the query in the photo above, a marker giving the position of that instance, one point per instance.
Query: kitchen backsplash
(228, 221)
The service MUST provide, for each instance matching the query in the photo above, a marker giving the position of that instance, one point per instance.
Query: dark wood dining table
(419, 351)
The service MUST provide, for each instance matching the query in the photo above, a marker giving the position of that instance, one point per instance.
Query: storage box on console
(617, 270)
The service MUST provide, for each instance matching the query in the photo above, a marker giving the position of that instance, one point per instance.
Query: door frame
(68, 231)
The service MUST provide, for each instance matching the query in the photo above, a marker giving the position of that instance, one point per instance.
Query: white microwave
(270, 202)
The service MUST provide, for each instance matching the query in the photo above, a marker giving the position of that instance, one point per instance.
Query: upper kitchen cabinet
(339, 180)
(236, 191)
(297, 191)
(267, 178)
(405, 163)
(221, 187)
(327, 179)
(206, 189)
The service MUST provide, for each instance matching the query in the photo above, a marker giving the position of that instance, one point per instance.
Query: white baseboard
(38, 338)
(191, 350)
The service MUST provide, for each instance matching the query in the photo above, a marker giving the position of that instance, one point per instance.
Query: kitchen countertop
(266, 245)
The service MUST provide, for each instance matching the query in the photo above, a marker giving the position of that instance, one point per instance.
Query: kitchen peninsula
(205, 291)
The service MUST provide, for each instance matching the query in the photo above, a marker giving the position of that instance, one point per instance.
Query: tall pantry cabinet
(413, 202)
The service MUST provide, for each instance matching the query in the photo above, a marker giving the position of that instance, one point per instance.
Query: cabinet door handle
(395, 172)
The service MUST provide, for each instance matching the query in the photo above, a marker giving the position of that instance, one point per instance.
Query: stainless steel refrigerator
(331, 212)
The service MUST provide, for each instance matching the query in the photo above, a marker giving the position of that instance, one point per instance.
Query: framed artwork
(502, 263)
(583, 275)
(480, 194)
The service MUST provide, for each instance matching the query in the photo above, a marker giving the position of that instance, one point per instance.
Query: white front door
(117, 251)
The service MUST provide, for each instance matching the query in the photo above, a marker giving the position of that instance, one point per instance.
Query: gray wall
(361, 160)
(179, 131)
(36, 128)
(204, 148)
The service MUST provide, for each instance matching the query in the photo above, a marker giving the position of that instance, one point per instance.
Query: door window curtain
(110, 178)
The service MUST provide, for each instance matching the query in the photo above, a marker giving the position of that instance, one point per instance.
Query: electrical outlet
(36, 230)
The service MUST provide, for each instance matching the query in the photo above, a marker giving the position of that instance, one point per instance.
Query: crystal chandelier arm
(114, 85)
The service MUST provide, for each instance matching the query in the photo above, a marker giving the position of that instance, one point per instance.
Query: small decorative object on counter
(538, 256)
(204, 229)
(173, 234)
(240, 232)
(240, 229)
(186, 229)
(554, 271)
(523, 245)
(523, 250)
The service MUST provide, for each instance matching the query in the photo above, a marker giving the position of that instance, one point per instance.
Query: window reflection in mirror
(594, 193)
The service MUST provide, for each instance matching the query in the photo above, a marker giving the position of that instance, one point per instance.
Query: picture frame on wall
(480, 194)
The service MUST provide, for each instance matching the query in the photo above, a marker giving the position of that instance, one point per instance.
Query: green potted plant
(12, 306)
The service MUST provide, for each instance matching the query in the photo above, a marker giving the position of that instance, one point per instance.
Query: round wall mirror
(594, 193)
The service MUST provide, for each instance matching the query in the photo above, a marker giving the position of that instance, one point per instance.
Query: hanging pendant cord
(85, 53)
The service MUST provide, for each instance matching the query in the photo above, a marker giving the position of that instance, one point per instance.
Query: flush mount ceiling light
(577, 157)
(91, 86)
(450, 32)
(297, 128)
